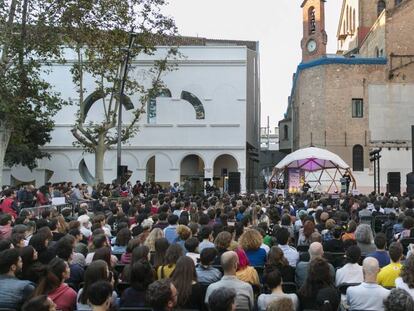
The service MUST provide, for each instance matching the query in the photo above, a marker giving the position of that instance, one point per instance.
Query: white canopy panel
(312, 159)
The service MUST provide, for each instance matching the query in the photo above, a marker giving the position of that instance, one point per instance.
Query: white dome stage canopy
(319, 165)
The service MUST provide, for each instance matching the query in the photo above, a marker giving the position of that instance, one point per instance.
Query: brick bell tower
(314, 39)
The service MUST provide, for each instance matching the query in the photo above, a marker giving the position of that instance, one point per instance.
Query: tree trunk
(99, 159)
(5, 133)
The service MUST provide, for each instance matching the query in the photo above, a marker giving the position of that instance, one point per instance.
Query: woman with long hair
(154, 235)
(174, 252)
(96, 271)
(276, 260)
(139, 253)
(104, 254)
(142, 275)
(184, 278)
(157, 258)
(52, 285)
(318, 278)
(32, 269)
(127, 256)
(40, 242)
(245, 272)
(306, 232)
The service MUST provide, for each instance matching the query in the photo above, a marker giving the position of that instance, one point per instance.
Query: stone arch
(152, 154)
(224, 164)
(192, 173)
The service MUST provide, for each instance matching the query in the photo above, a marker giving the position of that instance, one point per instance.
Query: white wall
(216, 75)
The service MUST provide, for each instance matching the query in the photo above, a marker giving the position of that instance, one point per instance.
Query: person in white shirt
(351, 272)
(368, 295)
(291, 254)
(406, 279)
(85, 225)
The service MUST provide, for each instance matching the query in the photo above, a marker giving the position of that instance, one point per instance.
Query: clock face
(311, 46)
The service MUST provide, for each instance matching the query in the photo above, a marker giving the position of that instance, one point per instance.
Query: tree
(101, 36)
(28, 43)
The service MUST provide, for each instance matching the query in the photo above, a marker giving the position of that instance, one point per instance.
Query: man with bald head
(368, 295)
(315, 251)
(244, 293)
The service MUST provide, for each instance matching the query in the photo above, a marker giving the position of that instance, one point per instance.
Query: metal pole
(121, 93)
(379, 178)
(375, 175)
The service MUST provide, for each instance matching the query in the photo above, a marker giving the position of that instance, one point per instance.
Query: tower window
(381, 7)
(285, 132)
(358, 158)
(357, 107)
(312, 20)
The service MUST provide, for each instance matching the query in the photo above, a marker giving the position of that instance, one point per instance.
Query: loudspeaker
(410, 183)
(234, 182)
(394, 182)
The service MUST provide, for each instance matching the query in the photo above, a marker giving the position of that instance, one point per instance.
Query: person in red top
(7, 206)
(42, 196)
(54, 287)
(154, 206)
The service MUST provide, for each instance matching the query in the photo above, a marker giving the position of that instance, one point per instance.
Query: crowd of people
(142, 246)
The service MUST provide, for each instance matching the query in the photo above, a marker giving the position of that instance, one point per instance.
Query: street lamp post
(121, 95)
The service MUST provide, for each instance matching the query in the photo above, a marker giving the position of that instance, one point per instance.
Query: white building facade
(208, 137)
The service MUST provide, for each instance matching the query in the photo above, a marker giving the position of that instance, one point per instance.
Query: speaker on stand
(234, 182)
(394, 182)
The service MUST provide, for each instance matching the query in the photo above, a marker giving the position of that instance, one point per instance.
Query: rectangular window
(357, 107)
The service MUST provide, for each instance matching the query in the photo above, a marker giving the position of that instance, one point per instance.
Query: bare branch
(82, 140)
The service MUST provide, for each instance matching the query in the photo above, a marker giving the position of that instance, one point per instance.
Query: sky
(276, 24)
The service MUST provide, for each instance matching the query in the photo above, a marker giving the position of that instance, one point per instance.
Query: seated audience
(222, 244)
(302, 269)
(39, 303)
(141, 276)
(184, 278)
(365, 240)
(32, 269)
(399, 300)
(334, 245)
(162, 295)
(174, 252)
(53, 285)
(206, 236)
(250, 241)
(368, 295)
(387, 275)
(222, 299)
(206, 273)
(290, 253)
(13, 292)
(245, 272)
(244, 293)
(100, 296)
(318, 278)
(351, 272)
(277, 261)
(97, 271)
(380, 254)
(406, 278)
(274, 283)
(191, 246)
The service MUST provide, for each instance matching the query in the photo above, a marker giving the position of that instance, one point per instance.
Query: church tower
(314, 36)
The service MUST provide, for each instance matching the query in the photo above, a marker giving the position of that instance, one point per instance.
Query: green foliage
(101, 37)
(28, 44)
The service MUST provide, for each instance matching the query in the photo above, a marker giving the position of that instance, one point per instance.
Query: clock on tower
(314, 36)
